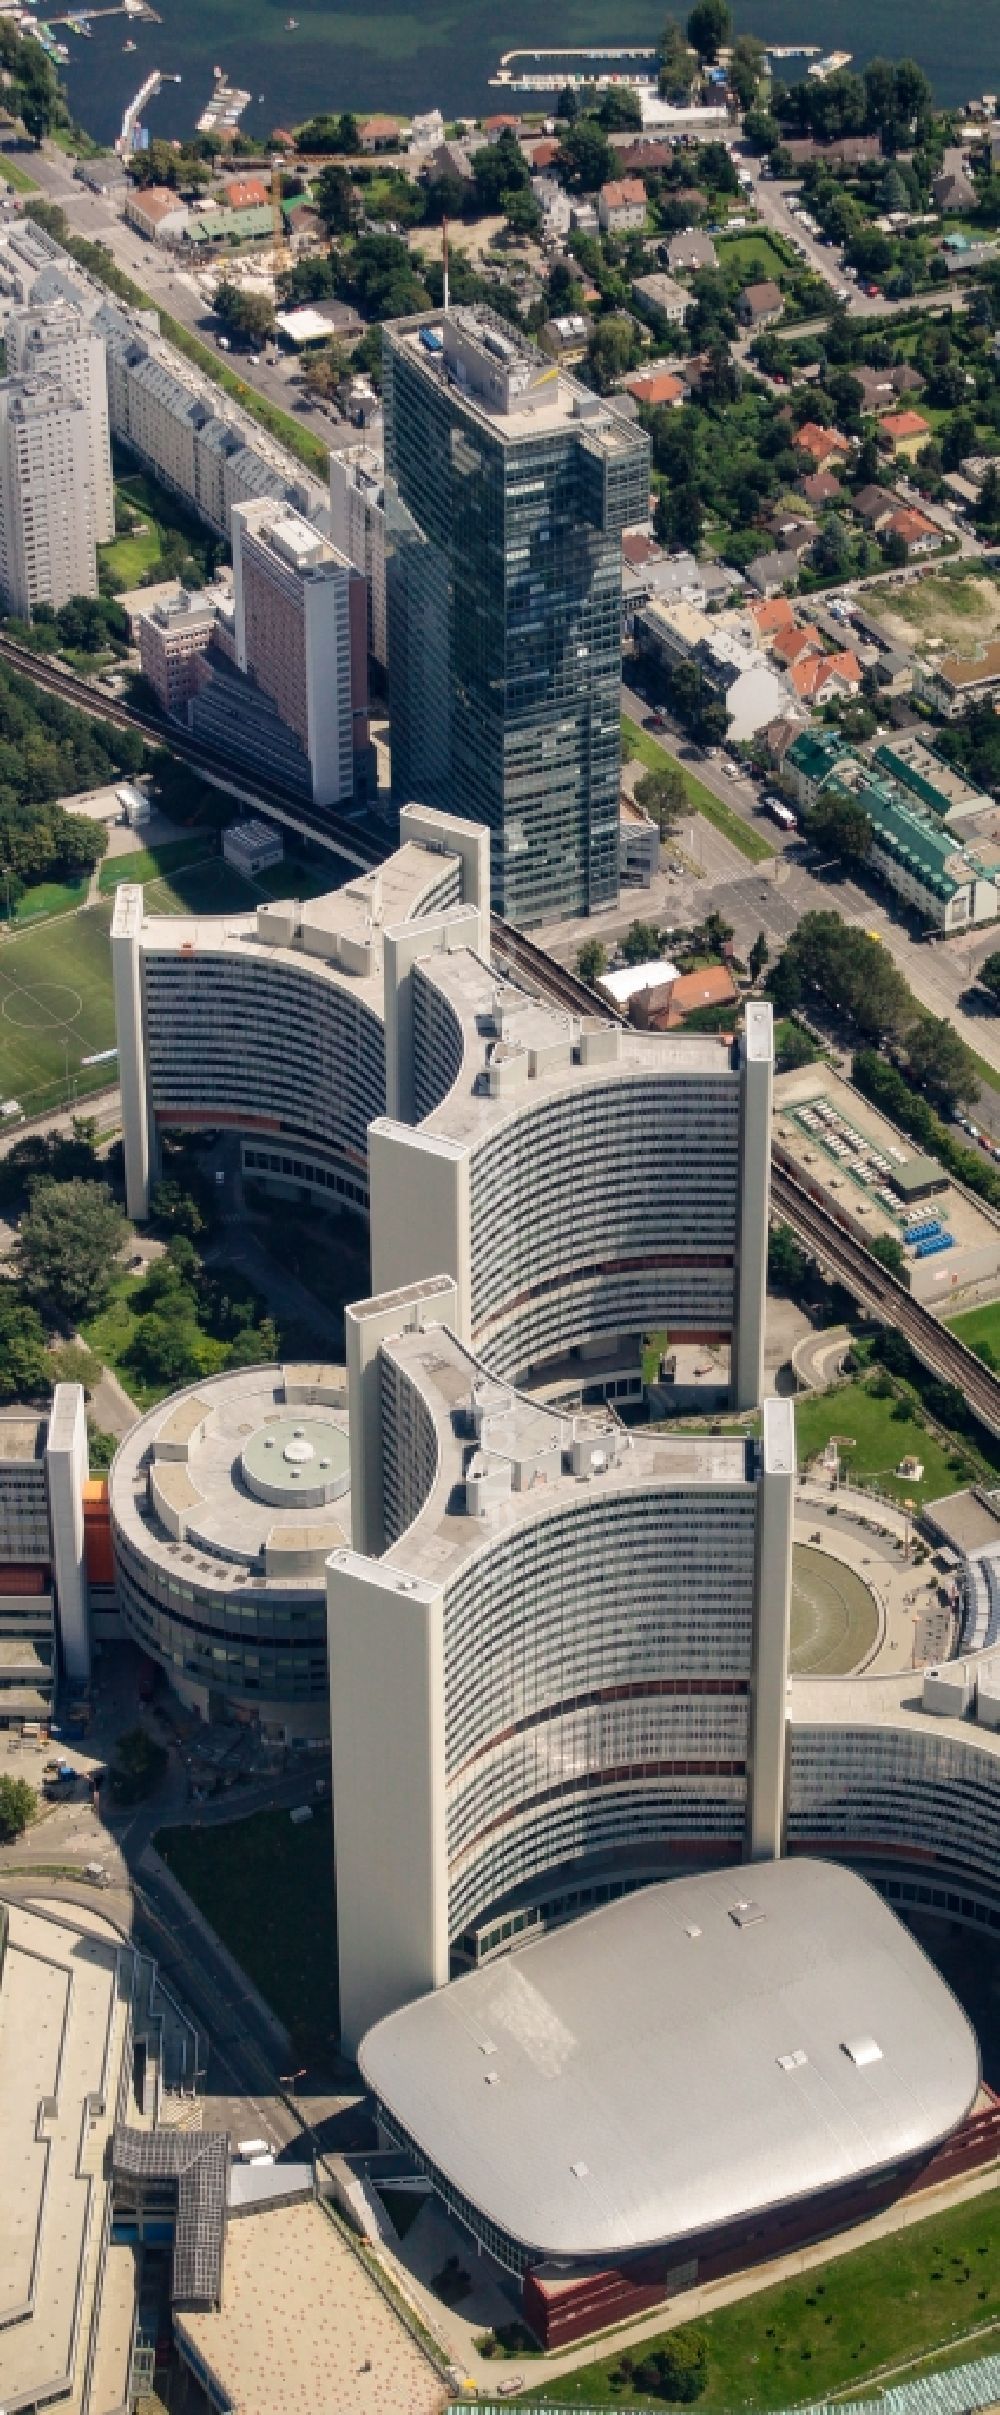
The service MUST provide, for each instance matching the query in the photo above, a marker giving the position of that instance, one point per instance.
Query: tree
(499, 169)
(786, 1261)
(708, 27)
(988, 976)
(677, 64)
(18, 1804)
(521, 211)
(256, 1346)
(677, 2369)
(591, 960)
(759, 956)
(139, 1764)
(613, 348)
(335, 200)
(940, 1063)
(746, 68)
(663, 796)
(641, 943)
(67, 1246)
(888, 1251)
(166, 1347)
(248, 314)
(172, 1205)
(585, 156)
(620, 109)
(25, 1368)
(837, 822)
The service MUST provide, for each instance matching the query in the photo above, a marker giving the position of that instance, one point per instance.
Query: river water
(443, 52)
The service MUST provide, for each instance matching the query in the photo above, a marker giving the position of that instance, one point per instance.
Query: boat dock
(532, 76)
(225, 108)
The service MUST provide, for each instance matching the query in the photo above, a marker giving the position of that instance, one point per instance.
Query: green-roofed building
(254, 225)
(810, 761)
(917, 857)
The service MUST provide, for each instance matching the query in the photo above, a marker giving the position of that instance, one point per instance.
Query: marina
(525, 71)
(225, 108)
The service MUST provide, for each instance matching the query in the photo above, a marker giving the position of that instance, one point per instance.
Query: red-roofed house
(379, 133)
(501, 123)
(789, 645)
(638, 549)
(904, 434)
(246, 193)
(773, 612)
(542, 155)
(821, 675)
(623, 205)
(915, 531)
(826, 448)
(656, 387)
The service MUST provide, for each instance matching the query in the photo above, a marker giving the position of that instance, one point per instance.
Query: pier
(533, 77)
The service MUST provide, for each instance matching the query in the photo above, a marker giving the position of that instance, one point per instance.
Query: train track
(564, 988)
(879, 1292)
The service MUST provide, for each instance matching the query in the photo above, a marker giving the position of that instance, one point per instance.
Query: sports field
(56, 1009)
(834, 1619)
(188, 876)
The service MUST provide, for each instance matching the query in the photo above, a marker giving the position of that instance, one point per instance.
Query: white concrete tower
(47, 544)
(53, 339)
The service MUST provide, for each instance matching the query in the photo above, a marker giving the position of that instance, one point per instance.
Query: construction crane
(281, 249)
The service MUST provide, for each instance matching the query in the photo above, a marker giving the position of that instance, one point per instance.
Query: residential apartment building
(953, 682)
(357, 525)
(47, 548)
(301, 620)
(54, 339)
(913, 849)
(508, 486)
(174, 639)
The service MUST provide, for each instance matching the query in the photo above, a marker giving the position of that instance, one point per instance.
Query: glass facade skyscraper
(508, 485)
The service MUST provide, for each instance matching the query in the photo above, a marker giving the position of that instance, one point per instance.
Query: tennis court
(834, 1617)
(56, 1009)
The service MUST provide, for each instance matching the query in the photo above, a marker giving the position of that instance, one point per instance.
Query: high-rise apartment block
(508, 486)
(47, 545)
(302, 638)
(357, 516)
(54, 339)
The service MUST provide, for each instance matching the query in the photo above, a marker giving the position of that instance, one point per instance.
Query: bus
(780, 813)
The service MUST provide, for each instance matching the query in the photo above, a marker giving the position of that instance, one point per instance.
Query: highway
(879, 1293)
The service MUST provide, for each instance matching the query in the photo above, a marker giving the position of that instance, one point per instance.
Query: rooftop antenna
(444, 258)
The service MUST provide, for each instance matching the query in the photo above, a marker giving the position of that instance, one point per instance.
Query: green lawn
(754, 255)
(909, 2293)
(977, 1326)
(749, 842)
(111, 1334)
(267, 1887)
(51, 897)
(881, 1440)
(188, 876)
(130, 557)
(55, 1008)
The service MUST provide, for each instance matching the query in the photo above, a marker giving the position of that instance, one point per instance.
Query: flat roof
(503, 1020)
(241, 1479)
(700, 2050)
(303, 2325)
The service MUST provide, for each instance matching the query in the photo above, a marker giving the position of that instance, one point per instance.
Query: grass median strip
(701, 799)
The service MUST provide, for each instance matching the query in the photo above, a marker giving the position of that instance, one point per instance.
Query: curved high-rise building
(588, 1633)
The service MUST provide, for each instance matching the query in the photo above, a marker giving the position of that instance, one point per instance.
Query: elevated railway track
(882, 1296)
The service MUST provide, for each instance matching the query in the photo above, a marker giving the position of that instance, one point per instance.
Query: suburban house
(759, 305)
(664, 295)
(656, 388)
(787, 645)
(380, 134)
(874, 506)
(566, 338)
(825, 448)
(816, 678)
(954, 681)
(773, 571)
(769, 618)
(622, 205)
(688, 252)
(915, 532)
(904, 434)
(820, 488)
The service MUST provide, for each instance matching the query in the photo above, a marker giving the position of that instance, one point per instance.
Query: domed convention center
(226, 1502)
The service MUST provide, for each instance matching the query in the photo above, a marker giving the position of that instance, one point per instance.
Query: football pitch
(834, 1618)
(56, 1010)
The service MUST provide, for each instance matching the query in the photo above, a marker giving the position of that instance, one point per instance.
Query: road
(171, 287)
(773, 199)
(774, 897)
